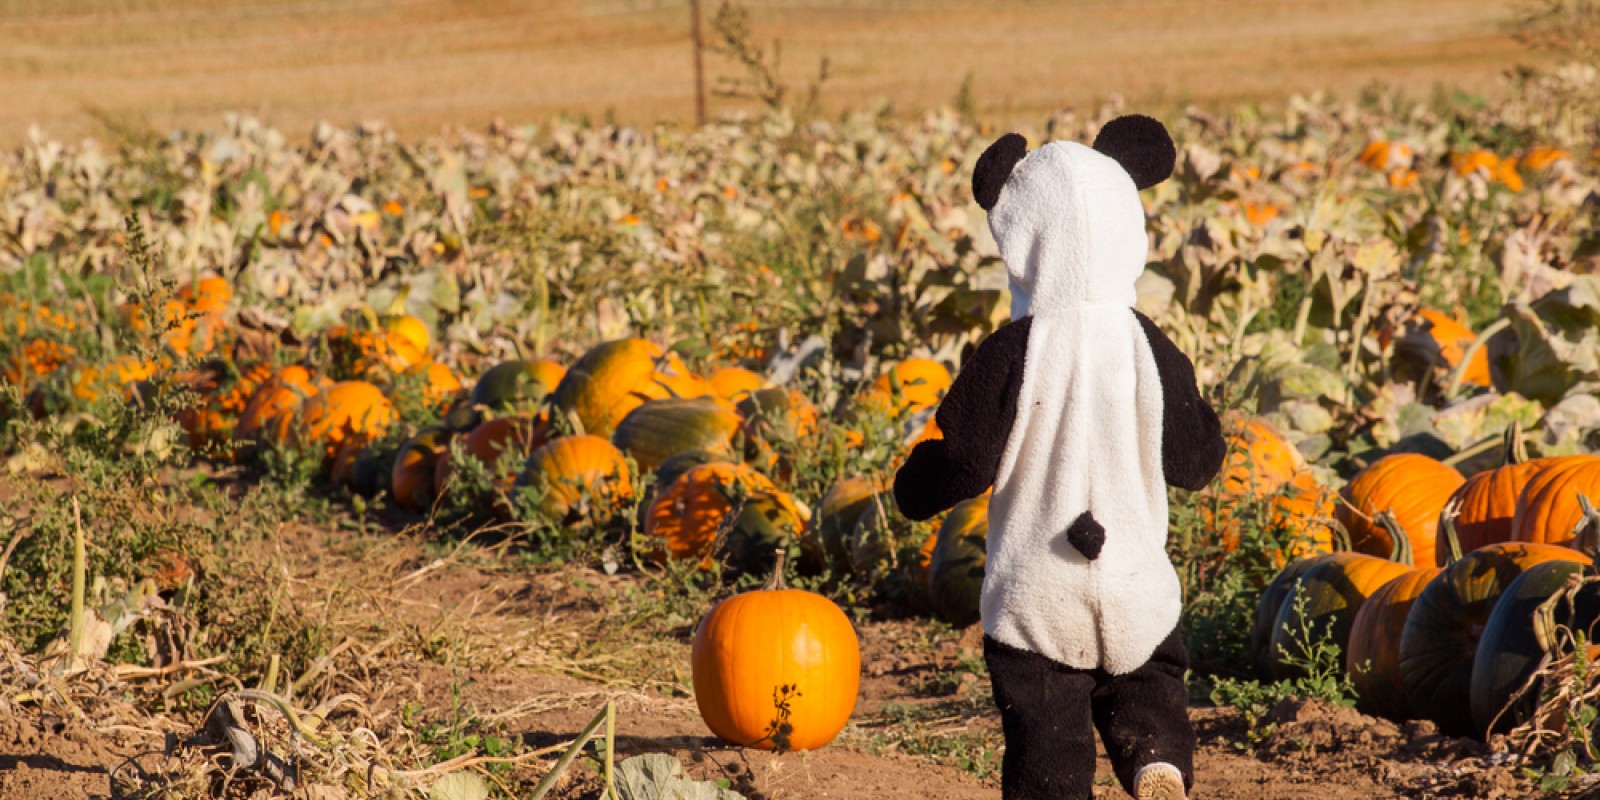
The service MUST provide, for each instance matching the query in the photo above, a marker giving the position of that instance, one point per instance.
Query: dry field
(422, 64)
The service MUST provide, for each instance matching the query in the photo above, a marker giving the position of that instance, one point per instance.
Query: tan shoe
(1158, 781)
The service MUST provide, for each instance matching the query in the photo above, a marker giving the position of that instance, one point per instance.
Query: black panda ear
(994, 167)
(1141, 145)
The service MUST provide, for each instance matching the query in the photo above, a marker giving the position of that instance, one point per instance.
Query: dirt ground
(422, 65)
(482, 632)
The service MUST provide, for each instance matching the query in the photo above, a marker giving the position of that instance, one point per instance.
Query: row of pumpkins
(714, 442)
(1437, 596)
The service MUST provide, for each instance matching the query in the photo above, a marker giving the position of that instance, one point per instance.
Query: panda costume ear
(1141, 145)
(994, 167)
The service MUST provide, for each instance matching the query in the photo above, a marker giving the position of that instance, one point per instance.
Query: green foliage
(1323, 677)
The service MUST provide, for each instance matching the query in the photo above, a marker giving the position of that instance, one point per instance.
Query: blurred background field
(420, 64)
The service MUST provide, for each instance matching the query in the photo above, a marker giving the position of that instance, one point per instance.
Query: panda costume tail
(1079, 413)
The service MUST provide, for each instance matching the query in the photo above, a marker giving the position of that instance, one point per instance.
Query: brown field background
(420, 64)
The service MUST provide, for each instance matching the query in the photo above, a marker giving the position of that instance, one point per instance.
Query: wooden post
(699, 68)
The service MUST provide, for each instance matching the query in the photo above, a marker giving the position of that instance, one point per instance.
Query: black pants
(1049, 712)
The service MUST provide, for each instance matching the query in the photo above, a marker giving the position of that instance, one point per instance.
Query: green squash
(955, 573)
(661, 429)
(1509, 651)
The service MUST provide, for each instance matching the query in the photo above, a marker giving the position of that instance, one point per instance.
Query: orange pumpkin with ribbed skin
(1548, 509)
(569, 467)
(733, 383)
(352, 410)
(611, 380)
(1486, 505)
(1413, 487)
(502, 445)
(921, 382)
(1306, 509)
(1262, 464)
(1259, 461)
(776, 668)
(273, 406)
(411, 480)
(1373, 657)
(686, 514)
(439, 383)
(1441, 633)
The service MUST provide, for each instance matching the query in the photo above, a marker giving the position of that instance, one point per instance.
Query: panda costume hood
(1066, 544)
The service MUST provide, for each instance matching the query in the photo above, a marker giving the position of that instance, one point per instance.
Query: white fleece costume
(1071, 229)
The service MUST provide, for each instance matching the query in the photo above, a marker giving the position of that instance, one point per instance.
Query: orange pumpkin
(1548, 509)
(352, 410)
(1373, 657)
(733, 383)
(570, 467)
(501, 445)
(1326, 598)
(438, 382)
(273, 406)
(411, 481)
(909, 386)
(1413, 487)
(611, 380)
(516, 384)
(776, 668)
(1434, 338)
(207, 295)
(686, 516)
(224, 390)
(1485, 505)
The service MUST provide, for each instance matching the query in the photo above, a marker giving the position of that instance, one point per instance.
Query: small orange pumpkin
(571, 466)
(776, 668)
(352, 410)
(909, 386)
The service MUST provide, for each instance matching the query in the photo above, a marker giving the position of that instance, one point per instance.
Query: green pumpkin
(1509, 651)
(1442, 631)
(1267, 610)
(1332, 592)
(955, 573)
(837, 514)
(661, 429)
(509, 385)
(763, 526)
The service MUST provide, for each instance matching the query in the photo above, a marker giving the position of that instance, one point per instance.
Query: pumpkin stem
(1447, 526)
(1339, 536)
(775, 582)
(1400, 543)
(1516, 444)
(1586, 534)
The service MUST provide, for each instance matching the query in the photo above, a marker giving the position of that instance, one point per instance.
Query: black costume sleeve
(1192, 447)
(975, 419)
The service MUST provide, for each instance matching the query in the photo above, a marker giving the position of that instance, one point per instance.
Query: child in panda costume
(1079, 413)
